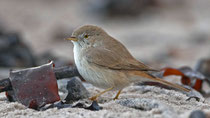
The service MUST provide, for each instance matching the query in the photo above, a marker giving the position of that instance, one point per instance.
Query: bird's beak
(72, 39)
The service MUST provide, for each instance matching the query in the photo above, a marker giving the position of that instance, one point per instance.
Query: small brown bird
(106, 63)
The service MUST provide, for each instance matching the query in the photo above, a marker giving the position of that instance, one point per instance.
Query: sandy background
(181, 33)
(173, 35)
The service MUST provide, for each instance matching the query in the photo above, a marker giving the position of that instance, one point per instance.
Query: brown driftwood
(62, 72)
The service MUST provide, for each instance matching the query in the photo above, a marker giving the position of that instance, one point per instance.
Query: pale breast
(99, 76)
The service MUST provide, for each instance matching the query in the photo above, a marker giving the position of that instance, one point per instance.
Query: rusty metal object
(60, 73)
(34, 87)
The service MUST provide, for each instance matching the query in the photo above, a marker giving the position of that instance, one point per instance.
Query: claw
(117, 96)
(93, 98)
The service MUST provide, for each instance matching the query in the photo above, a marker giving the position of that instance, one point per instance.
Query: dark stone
(193, 97)
(13, 52)
(194, 94)
(94, 106)
(5, 85)
(11, 96)
(203, 66)
(79, 105)
(58, 105)
(76, 90)
(197, 114)
(191, 73)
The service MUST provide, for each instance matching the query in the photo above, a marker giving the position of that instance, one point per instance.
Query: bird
(106, 63)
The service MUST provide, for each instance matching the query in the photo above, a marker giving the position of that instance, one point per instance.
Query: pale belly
(102, 77)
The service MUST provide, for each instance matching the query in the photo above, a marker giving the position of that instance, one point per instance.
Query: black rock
(203, 66)
(11, 96)
(79, 105)
(5, 85)
(94, 106)
(58, 105)
(13, 52)
(193, 97)
(76, 90)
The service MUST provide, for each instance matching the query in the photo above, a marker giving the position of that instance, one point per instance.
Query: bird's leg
(96, 96)
(118, 93)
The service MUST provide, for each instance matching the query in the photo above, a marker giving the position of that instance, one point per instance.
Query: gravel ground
(135, 101)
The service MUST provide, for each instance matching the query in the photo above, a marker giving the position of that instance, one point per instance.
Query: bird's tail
(155, 79)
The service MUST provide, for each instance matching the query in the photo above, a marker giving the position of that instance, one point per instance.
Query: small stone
(197, 114)
(58, 105)
(94, 106)
(141, 104)
(195, 95)
(203, 66)
(10, 96)
(79, 105)
(76, 90)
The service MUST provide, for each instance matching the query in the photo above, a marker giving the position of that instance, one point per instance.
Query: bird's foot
(94, 98)
(117, 96)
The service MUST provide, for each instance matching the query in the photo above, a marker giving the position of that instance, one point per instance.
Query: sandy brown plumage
(106, 63)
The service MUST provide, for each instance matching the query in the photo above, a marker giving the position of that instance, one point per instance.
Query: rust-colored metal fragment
(35, 87)
(188, 76)
(60, 73)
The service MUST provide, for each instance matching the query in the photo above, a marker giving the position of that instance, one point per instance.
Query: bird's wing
(119, 61)
(116, 60)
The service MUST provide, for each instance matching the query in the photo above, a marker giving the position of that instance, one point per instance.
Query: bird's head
(88, 36)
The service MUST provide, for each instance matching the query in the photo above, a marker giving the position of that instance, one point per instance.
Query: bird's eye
(86, 36)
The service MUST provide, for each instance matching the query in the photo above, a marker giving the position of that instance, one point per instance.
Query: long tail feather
(155, 79)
